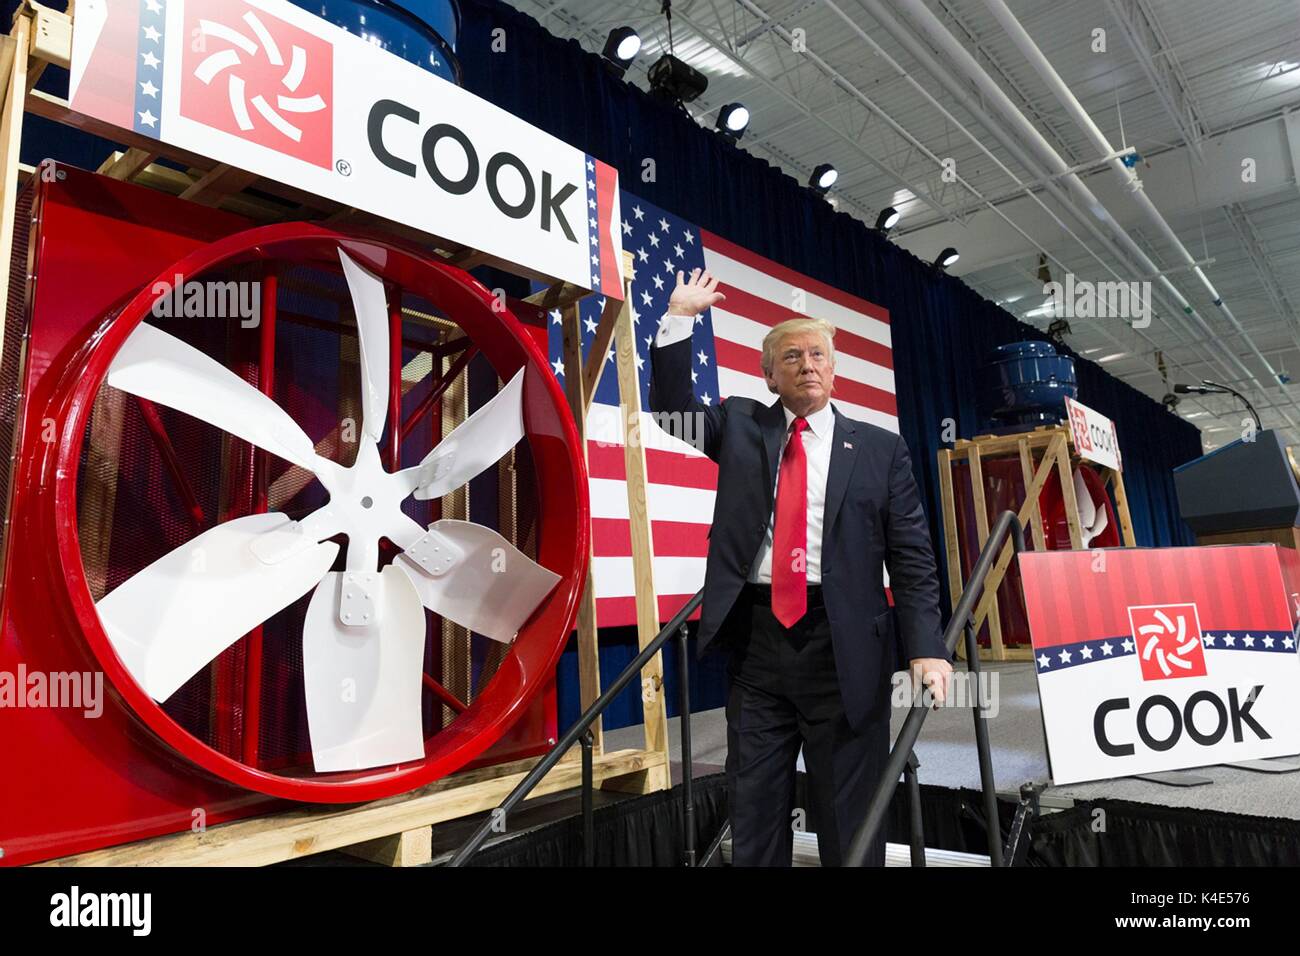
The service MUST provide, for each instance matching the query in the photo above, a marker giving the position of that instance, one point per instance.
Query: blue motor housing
(422, 32)
(1024, 385)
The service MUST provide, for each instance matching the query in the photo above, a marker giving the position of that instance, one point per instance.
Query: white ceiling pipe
(1029, 49)
(947, 44)
(943, 74)
(922, 55)
(939, 35)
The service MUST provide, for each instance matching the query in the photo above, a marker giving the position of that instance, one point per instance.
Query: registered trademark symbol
(344, 167)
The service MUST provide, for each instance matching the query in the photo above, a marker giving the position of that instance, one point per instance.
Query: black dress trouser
(782, 691)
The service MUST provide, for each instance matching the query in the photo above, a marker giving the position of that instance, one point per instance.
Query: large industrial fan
(312, 503)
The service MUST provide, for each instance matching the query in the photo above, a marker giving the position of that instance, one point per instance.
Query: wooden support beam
(1035, 514)
(7, 47)
(457, 664)
(218, 183)
(408, 848)
(588, 635)
(597, 357)
(51, 34)
(1121, 508)
(1068, 496)
(982, 532)
(35, 70)
(56, 108)
(653, 697)
(259, 209)
(468, 258)
(315, 828)
(1050, 463)
(991, 445)
(951, 538)
(125, 166)
(557, 296)
(13, 92)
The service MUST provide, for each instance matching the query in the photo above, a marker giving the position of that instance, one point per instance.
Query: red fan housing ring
(563, 516)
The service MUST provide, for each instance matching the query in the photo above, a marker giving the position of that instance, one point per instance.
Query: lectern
(1244, 492)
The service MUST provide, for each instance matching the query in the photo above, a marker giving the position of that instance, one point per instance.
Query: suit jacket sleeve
(910, 559)
(672, 394)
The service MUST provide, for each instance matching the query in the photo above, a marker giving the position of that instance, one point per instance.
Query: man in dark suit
(811, 506)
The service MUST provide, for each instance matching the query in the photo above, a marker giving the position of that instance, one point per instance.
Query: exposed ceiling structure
(1007, 128)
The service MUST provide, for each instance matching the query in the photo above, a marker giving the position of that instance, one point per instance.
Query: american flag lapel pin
(848, 445)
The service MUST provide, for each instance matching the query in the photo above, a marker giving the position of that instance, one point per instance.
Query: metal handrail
(962, 623)
(580, 733)
(901, 758)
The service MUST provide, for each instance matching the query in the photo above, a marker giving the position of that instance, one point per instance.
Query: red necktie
(790, 536)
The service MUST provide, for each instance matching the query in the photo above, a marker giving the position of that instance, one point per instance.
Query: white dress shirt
(817, 443)
(817, 450)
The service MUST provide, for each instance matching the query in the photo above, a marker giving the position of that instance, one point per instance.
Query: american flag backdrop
(727, 345)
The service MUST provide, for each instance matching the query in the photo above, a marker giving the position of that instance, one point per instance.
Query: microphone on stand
(1214, 388)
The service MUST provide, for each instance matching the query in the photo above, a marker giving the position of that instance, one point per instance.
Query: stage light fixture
(1057, 332)
(733, 119)
(887, 219)
(823, 177)
(675, 81)
(621, 47)
(946, 258)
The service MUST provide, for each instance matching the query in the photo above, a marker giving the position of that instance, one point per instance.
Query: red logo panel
(1079, 419)
(257, 77)
(1168, 639)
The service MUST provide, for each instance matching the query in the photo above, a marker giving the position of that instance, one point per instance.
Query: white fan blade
(163, 369)
(476, 444)
(295, 537)
(471, 575)
(1087, 507)
(371, 306)
(364, 681)
(180, 612)
(1098, 526)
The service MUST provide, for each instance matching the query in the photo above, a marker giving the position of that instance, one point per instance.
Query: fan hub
(365, 505)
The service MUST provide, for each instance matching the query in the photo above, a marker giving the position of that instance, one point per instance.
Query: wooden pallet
(395, 831)
(1043, 452)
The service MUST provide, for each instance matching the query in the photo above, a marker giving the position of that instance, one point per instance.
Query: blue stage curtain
(942, 330)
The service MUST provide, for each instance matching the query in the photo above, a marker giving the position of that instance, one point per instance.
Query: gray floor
(946, 752)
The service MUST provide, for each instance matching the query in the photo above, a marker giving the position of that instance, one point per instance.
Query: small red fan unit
(291, 515)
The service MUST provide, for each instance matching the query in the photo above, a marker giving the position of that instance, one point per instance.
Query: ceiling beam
(1138, 23)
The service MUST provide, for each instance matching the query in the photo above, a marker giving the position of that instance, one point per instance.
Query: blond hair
(772, 341)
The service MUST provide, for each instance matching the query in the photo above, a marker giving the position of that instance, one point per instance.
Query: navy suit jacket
(873, 519)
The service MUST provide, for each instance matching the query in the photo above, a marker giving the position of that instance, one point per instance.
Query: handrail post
(914, 799)
(987, 787)
(684, 715)
(962, 614)
(588, 742)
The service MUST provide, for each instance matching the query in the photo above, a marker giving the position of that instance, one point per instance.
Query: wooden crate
(1043, 453)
